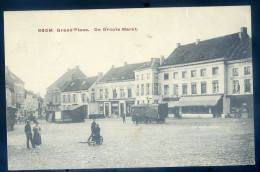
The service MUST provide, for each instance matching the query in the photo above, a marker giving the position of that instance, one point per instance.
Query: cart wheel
(101, 140)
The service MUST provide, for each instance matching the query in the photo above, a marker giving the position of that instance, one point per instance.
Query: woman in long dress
(37, 135)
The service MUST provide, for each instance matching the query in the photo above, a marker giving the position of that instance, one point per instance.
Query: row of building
(20, 103)
(208, 77)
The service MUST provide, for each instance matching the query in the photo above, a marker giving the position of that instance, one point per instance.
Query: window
(129, 92)
(166, 90)
(55, 98)
(175, 75)
(156, 101)
(175, 90)
(68, 98)
(142, 89)
(202, 72)
(137, 90)
(193, 88)
(122, 93)
(92, 97)
(147, 89)
(83, 98)
(214, 70)
(155, 76)
(184, 74)
(148, 75)
(156, 89)
(193, 73)
(166, 76)
(101, 93)
(114, 93)
(236, 86)
(64, 98)
(215, 86)
(247, 70)
(106, 93)
(137, 77)
(203, 87)
(184, 89)
(247, 85)
(235, 71)
(101, 108)
(137, 102)
(142, 76)
(74, 98)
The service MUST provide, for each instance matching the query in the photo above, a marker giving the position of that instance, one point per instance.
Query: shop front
(115, 108)
(241, 106)
(198, 105)
(128, 107)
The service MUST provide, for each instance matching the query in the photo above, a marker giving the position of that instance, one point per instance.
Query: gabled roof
(155, 62)
(80, 84)
(74, 73)
(230, 47)
(121, 73)
(11, 79)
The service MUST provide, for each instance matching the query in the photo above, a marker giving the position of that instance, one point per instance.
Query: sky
(40, 58)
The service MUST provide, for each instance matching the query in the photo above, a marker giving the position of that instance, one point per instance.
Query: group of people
(35, 137)
(95, 131)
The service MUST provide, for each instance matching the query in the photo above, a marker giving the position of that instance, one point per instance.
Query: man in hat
(28, 132)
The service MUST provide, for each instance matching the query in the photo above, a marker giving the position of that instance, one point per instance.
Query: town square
(174, 92)
(179, 142)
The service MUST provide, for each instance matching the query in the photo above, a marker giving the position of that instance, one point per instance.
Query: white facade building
(116, 91)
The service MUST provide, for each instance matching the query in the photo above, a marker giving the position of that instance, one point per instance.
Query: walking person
(124, 116)
(28, 132)
(93, 125)
(37, 140)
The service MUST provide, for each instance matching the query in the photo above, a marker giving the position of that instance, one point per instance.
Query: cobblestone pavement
(179, 142)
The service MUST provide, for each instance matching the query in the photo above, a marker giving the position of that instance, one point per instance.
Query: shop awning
(199, 101)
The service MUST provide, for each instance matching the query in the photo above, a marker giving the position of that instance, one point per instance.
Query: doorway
(121, 108)
(106, 109)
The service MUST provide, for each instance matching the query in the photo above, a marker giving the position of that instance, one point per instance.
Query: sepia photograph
(129, 88)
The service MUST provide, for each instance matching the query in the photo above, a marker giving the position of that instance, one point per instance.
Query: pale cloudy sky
(41, 58)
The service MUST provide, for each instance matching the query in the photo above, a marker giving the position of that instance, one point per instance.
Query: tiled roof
(121, 73)
(79, 84)
(71, 74)
(229, 47)
(152, 63)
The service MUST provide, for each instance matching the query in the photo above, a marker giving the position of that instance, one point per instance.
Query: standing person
(124, 116)
(28, 132)
(93, 125)
(137, 118)
(37, 140)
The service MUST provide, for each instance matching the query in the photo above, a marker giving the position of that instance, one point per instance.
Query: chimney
(125, 63)
(161, 60)
(197, 41)
(113, 66)
(100, 75)
(178, 45)
(242, 33)
(243, 30)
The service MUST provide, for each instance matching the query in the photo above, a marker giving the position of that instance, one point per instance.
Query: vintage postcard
(128, 88)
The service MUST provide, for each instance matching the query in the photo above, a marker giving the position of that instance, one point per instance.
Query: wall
(240, 65)
(145, 98)
(198, 79)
